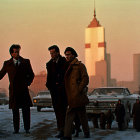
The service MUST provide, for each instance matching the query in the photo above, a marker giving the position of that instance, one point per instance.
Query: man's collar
(16, 61)
(56, 60)
(75, 61)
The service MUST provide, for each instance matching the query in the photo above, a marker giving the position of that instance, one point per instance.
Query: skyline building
(136, 69)
(97, 60)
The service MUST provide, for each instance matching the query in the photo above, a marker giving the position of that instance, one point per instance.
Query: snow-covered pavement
(43, 127)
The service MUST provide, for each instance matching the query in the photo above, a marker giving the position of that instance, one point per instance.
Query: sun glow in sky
(38, 24)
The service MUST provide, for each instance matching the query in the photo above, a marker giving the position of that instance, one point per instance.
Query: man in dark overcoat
(136, 115)
(55, 83)
(120, 114)
(20, 75)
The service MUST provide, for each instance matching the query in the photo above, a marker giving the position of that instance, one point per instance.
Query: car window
(43, 93)
(110, 91)
(127, 92)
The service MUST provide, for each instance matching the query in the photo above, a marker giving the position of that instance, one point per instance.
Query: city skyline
(36, 25)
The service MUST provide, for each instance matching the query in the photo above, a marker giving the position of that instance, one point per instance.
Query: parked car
(104, 98)
(4, 100)
(43, 99)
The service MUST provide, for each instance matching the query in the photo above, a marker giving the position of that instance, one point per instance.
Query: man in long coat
(55, 83)
(76, 81)
(136, 115)
(120, 114)
(20, 77)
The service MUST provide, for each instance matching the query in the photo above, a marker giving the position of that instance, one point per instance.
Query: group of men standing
(122, 116)
(67, 80)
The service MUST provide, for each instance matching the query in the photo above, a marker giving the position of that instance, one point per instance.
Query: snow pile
(43, 127)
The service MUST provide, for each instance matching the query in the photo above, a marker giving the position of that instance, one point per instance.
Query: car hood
(105, 97)
(42, 97)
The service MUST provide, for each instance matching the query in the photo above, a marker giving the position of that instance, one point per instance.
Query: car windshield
(43, 93)
(108, 91)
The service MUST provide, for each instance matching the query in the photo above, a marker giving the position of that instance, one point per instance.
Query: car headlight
(35, 101)
(112, 105)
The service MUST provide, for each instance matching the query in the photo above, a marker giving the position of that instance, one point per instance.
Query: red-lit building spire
(94, 22)
(94, 10)
(94, 13)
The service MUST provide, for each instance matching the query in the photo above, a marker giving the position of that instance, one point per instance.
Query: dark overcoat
(120, 113)
(55, 73)
(76, 81)
(19, 79)
(55, 82)
(136, 115)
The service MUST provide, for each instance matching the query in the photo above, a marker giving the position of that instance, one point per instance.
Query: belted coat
(19, 79)
(76, 81)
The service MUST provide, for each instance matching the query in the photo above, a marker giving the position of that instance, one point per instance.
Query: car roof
(110, 87)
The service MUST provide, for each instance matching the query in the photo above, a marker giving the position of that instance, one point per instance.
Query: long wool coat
(55, 82)
(19, 79)
(76, 81)
(120, 113)
(136, 115)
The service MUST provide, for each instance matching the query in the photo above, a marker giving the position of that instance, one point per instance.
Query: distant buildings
(136, 68)
(39, 83)
(97, 60)
(98, 63)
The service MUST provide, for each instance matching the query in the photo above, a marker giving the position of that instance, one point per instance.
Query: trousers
(25, 115)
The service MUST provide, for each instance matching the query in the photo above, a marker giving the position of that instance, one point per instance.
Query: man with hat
(76, 81)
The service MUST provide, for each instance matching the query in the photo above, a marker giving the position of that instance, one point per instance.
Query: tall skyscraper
(136, 69)
(96, 59)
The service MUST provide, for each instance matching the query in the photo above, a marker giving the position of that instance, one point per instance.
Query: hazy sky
(38, 24)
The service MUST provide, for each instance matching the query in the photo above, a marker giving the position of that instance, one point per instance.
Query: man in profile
(55, 83)
(20, 75)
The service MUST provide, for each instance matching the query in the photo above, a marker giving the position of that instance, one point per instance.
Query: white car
(43, 99)
(105, 98)
(4, 100)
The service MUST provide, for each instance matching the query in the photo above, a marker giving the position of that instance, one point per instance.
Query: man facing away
(136, 115)
(76, 81)
(55, 83)
(20, 75)
(120, 114)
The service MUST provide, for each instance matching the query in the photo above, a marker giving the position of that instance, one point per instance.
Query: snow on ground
(43, 127)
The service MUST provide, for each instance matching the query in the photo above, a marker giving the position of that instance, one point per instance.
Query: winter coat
(76, 81)
(55, 82)
(19, 78)
(55, 73)
(120, 112)
(136, 115)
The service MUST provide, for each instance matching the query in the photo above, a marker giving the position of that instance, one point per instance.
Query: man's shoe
(27, 132)
(16, 132)
(80, 130)
(60, 135)
(66, 138)
(87, 135)
(77, 134)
